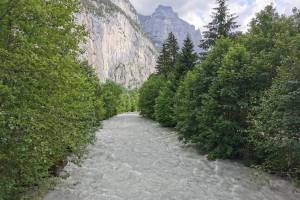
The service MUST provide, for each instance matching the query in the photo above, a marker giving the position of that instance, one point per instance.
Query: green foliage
(184, 106)
(111, 95)
(222, 25)
(128, 101)
(117, 99)
(168, 56)
(186, 60)
(193, 89)
(242, 101)
(50, 103)
(223, 116)
(274, 131)
(148, 94)
(164, 106)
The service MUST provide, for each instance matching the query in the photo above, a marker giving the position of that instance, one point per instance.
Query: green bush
(48, 110)
(148, 94)
(194, 88)
(184, 107)
(274, 134)
(111, 95)
(128, 101)
(50, 103)
(223, 116)
(164, 106)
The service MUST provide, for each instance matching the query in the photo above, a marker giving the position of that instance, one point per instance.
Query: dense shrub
(184, 107)
(50, 103)
(48, 110)
(193, 89)
(274, 134)
(223, 115)
(164, 106)
(111, 95)
(148, 94)
(128, 101)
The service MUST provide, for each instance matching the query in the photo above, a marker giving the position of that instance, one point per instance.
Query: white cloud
(197, 12)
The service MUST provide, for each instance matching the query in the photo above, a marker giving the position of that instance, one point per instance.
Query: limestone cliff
(116, 46)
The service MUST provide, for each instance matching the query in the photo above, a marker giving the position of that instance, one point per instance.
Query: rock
(117, 46)
(163, 21)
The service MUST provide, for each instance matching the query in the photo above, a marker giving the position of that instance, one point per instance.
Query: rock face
(163, 21)
(117, 47)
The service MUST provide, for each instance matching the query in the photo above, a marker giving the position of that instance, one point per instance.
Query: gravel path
(135, 159)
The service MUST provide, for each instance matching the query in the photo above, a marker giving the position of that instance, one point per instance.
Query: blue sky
(197, 12)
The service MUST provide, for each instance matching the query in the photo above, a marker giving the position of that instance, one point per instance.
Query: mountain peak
(165, 20)
(165, 10)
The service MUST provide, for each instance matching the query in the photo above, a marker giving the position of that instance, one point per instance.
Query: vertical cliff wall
(116, 46)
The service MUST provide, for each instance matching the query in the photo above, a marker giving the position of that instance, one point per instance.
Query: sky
(197, 12)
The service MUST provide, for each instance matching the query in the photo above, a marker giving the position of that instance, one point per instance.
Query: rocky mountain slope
(117, 47)
(163, 21)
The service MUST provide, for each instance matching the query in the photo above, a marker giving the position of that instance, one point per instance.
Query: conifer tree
(172, 49)
(162, 61)
(167, 60)
(222, 25)
(187, 59)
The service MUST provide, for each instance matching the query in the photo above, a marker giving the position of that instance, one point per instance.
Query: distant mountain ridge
(163, 21)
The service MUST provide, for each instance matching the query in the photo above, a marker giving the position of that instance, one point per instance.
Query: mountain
(117, 46)
(163, 21)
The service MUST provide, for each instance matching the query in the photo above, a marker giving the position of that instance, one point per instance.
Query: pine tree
(222, 25)
(162, 61)
(167, 60)
(187, 59)
(172, 49)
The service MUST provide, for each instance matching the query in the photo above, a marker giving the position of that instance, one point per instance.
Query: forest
(239, 99)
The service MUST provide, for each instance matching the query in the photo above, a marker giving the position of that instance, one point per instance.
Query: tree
(222, 25)
(187, 59)
(193, 89)
(163, 62)
(164, 106)
(185, 106)
(167, 58)
(111, 95)
(274, 135)
(223, 117)
(148, 94)
(172, 49)
(50, 103)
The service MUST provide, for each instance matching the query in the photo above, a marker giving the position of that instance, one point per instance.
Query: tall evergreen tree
(167, 60)
(172, 49)
(162, 60)
(222, 25)
(187, 59)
